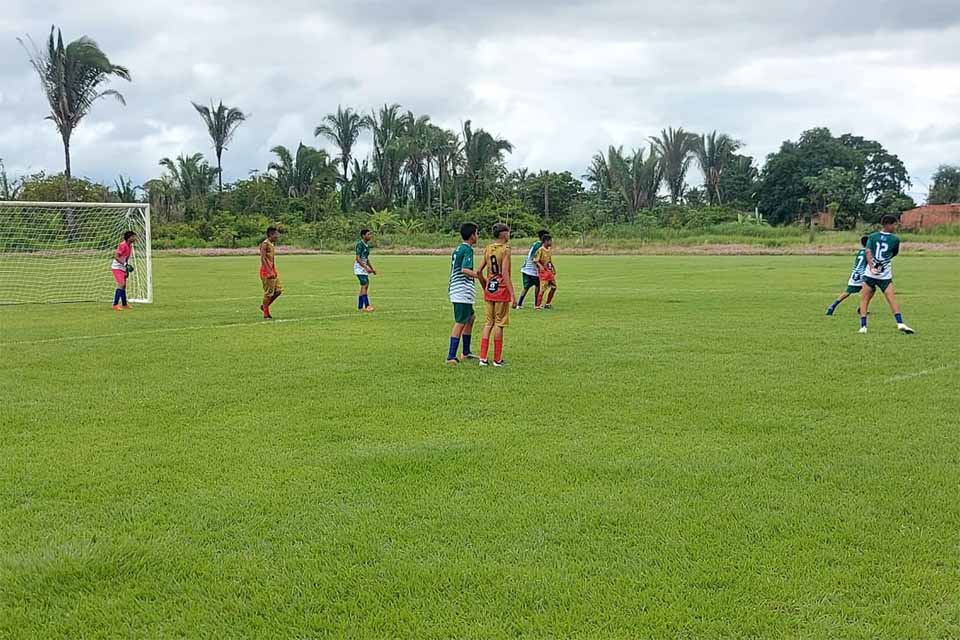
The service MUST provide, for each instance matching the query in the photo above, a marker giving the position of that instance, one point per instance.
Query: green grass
(684, 447)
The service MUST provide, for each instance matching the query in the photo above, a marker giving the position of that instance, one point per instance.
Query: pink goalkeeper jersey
(122, 256)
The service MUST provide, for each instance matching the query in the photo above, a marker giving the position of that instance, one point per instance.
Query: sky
(560, 80)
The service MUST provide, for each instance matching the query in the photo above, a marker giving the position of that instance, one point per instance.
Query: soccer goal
(61, 251)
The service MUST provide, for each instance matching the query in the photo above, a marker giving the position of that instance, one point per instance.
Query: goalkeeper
(122, 268)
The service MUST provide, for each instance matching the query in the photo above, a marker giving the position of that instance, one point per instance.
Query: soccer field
(684, 447)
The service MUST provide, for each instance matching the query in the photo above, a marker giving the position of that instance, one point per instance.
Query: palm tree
(362, 178)
(192, 177)
(598, 174)
(387, 127)
(125, 190)
(222, 122)
(416, 147)
(343, 128)
(71, 77)
(713, 153)
(299, 175)
(482, 152)
(676, 149)
(162, 196)
(637, 179)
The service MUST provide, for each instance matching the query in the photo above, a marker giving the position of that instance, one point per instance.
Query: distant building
(930, 215)
(825, 220)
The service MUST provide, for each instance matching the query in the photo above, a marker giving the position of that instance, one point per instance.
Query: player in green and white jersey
(855, 283)
(363, 269)
(882, 247)
(529, 271)
(462, 293)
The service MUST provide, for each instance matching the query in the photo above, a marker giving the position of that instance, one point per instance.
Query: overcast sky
(559, 79)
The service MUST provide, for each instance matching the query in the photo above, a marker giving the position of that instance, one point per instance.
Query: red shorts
(120, 275)
(547, 276)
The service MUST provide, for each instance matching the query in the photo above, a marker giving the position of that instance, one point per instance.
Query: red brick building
(930, 215)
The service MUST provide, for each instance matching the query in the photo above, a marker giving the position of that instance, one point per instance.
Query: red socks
(497, 349)
(550, 296)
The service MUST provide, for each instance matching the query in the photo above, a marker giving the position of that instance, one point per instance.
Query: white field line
(201, 327)
(918, 374)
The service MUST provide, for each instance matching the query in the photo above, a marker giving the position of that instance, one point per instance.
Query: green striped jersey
(884, 247)
(363, 252)
(859, 266)
(461, 285)
(529, 266)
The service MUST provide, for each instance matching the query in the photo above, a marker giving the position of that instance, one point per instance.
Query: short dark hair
(129, 234)
(863, 240)
(888, 219)
(545, 237)
(467, 229)
(542, 232)
(272, 230)
(364, 232)
(499, 228)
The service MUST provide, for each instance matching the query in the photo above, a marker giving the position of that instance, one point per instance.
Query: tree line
(422, 176)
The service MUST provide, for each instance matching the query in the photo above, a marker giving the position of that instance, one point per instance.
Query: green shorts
(364, 280)
(873, 283)
(462, 312)
(854, 288)
(530, 281)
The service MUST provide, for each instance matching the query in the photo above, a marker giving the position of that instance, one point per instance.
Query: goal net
(61, 251)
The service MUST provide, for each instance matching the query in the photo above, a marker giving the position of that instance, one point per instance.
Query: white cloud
(559, 79)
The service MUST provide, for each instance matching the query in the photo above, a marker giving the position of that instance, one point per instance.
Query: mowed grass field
(683, 448)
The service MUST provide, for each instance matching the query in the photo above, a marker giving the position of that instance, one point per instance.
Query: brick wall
(930, 215)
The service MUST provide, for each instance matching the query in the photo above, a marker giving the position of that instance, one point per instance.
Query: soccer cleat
(117, 307)
(862, 330)
(483, 362)
(830, 311)
(453, 362)
(537, 308)
(469, 356)
(368, 309)
(499, 363)
(902, 328)
(548, 306)
(126, 307)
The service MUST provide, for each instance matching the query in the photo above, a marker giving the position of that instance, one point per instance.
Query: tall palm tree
(362, 178)
(387, 126)
(162, 196)
(636, 178)
(222, 122)
(125, 190)
(482, 152)
(71, 77)
(192, 177)
(598, 174)
(300, 174)
(416, 145)
(676, 149)
(713, 153)
(343, 129)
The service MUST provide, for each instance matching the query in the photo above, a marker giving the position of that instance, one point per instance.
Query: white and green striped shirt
(462, 290)
(529, 266)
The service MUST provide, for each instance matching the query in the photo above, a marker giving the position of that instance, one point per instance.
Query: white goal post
(61, 251)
